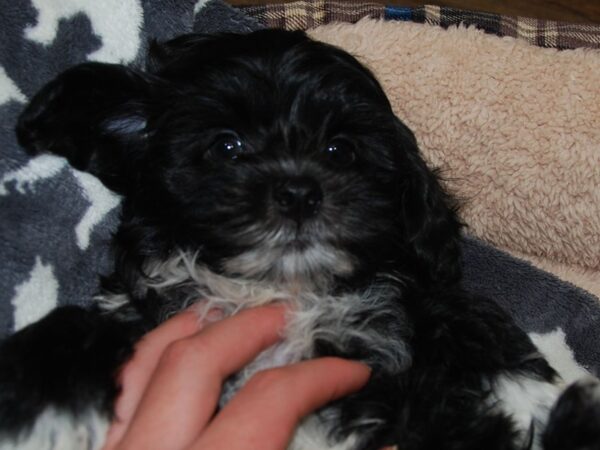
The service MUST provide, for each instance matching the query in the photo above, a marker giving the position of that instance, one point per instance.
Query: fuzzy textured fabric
(514, 128)
(56, 223)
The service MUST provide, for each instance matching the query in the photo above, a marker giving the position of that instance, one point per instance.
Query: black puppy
(269, 166)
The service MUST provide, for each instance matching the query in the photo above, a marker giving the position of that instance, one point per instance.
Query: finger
(135, 375)
(185, 387)
(265, 413)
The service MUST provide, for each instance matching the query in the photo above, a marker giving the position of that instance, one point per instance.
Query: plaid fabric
(544, 33)
(301, 15)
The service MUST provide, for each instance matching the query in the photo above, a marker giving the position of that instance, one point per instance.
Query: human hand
(171, 386)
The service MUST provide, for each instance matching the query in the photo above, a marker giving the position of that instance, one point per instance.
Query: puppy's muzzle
(298, 198)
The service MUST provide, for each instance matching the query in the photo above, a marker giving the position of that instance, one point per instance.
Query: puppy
(268, 167)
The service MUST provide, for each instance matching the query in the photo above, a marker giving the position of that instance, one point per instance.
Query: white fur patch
(116, 22)
(316, 315)
(39, 168)
(312, 434)
(54, 430)
(314, 265)
(313, 316)
(102, 201)
(36, 297)
(527, 401)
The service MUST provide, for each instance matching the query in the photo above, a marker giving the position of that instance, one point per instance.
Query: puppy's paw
(57, 380)
(575, 421)
(60, 430)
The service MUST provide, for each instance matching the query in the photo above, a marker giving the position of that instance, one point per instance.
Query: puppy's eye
(227, 147)
(340, 153)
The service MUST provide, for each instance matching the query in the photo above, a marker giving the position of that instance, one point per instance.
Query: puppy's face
(272, 156)
(280, 163)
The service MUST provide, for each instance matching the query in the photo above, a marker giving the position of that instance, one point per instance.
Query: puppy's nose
(298, 198)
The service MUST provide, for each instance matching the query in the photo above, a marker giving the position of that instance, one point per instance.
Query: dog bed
(523, 154)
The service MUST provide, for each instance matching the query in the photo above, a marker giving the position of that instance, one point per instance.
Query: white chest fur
(315, 315)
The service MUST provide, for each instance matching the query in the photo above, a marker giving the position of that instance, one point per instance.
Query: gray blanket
(56, 223)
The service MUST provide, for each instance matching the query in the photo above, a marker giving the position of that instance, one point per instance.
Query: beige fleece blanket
(515, 128)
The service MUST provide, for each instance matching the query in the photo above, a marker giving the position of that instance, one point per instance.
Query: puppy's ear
(95, 115)
(429, 215)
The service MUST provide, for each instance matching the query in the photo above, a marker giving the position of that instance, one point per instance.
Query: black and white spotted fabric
(56, 223)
